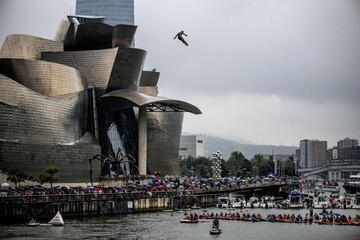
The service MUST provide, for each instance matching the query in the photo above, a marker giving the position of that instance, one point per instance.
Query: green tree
(48, 175)
(289, 166)
(200, 167)
(238, 165)
(262, 165)
(16, 176)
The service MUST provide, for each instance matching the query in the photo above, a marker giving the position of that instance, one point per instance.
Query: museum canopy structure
(81, 95)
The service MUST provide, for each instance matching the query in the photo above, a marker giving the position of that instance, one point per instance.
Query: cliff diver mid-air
(179, 36)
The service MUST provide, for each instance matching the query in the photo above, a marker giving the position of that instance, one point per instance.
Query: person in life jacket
(215, 223)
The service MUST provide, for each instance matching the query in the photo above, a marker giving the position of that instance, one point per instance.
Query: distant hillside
(249, 150)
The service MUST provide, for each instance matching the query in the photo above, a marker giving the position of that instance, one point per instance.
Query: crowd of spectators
(153, 185)
(318, 183)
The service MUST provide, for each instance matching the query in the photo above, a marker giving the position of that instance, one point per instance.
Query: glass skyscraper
(114, 11)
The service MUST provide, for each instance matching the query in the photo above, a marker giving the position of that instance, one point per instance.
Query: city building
(344, 156)
(191, 145)
(347, 143)
(114, 11)
(83, 103)
(297, 159)
(313, 153)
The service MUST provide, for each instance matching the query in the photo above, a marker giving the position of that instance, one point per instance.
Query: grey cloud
(304, 49)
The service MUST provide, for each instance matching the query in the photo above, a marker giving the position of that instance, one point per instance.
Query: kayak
(32, 224)
(324, 223)
(189, 221)
(215, 231)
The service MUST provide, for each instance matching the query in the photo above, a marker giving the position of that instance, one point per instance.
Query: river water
(166, 225)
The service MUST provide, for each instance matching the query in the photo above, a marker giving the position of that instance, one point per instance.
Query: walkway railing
(59, 198)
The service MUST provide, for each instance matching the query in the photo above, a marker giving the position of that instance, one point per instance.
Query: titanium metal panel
(164, 131)
(62, 31)
(72, 159)
(106, 70)
(29, 117)
(133, 98)
(49, 79)
(97, 35)
(26, 46)
(93, 36)
(149, 78)
(123, 35)
(96, 65)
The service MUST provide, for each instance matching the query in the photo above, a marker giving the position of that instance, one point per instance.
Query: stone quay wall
(23, 208)
(20, 209)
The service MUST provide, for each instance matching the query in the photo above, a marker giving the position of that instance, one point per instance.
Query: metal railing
(61, 198)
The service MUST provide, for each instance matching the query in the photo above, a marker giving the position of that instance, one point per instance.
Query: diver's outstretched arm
(176, 36)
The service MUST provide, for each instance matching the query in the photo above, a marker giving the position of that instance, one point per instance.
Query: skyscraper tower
(114, 11)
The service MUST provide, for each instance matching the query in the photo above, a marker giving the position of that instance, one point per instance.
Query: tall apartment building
(114, 11)
(191, 145)
(344, 156)
(313, 153)
(347, 143)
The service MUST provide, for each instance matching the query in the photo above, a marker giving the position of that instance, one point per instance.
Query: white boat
(223, 202)
(253, 203)
(322, 201)
(267, 202)
(238, 202)
(352, 186)
(57, 220)
(296, 199)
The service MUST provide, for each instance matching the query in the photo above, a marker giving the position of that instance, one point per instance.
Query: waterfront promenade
(23, 207)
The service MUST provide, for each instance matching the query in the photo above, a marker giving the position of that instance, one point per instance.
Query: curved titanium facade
(49, 79)
(108, 69)
(93, 36)
(37, 130)
(97, 35)
(72, 160)
(62, 30)
(137, 99)
(164, 131)
(26, 46)
(96, 65)
(57, 110)
(29, 117)
(123, 35)
(149, 78)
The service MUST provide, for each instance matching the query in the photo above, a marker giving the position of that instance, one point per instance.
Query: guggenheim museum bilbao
(74, 101)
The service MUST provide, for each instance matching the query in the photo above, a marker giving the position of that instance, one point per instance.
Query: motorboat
(238, 202)
(296, 199)
(223, 202)
(253, 203)
(352, 186)
(33, 223)
(267, 202)
(322, 201)
(215, 231)
(57, 220)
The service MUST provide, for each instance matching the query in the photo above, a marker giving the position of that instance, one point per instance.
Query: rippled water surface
(166, 225)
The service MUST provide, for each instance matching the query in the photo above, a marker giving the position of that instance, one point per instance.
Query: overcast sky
(262, 71)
